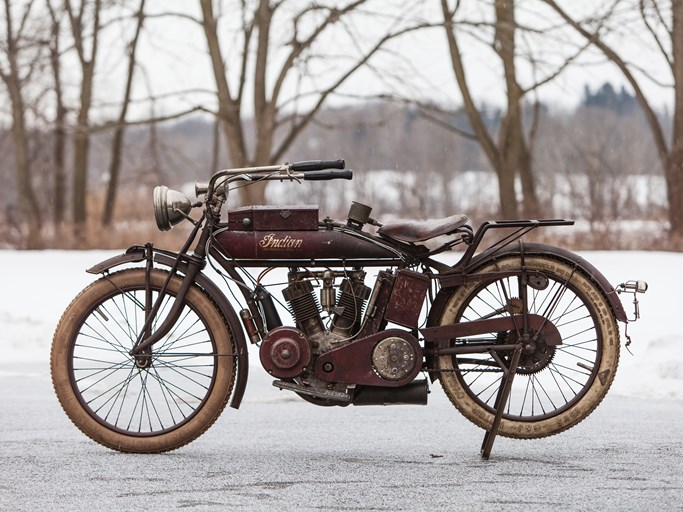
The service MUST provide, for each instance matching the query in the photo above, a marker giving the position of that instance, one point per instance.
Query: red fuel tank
(323, 244)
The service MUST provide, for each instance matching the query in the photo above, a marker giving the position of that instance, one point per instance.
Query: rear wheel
(555, 386)
(158, 401)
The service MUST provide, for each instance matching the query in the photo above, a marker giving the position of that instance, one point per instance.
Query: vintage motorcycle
(523, 337)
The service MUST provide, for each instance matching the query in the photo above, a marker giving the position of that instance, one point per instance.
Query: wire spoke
(549, 378)
(151, 393)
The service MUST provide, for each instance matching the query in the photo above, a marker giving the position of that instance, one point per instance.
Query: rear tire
(154, 404)
(554, 387)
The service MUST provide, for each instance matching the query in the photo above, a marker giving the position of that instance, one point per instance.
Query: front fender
(137, 254)
(134, 254)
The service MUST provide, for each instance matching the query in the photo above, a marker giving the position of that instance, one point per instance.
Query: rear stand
(501, 399)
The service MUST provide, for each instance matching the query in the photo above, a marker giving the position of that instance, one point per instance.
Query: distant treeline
(604, 138)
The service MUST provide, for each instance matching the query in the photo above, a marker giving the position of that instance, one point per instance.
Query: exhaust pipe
(414, 393)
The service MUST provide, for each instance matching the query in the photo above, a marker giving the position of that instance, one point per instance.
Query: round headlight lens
(170, 207)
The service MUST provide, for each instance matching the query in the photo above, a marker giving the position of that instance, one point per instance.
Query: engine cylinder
(352, 298)
(303, 306)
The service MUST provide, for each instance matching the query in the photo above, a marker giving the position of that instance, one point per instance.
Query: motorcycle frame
(188, 266)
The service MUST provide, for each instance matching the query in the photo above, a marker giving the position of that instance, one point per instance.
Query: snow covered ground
(37, 287)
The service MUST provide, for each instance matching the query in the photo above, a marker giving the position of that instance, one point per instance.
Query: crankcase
(390, 358)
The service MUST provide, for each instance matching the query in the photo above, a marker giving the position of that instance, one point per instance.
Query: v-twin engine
(346, 310)
(287, 351)
(338, 358)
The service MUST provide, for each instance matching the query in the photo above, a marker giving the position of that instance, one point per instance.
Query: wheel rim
(152, 395)
(549, 380)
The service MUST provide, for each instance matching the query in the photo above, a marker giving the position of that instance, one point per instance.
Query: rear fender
(569, 257)
(137, 254)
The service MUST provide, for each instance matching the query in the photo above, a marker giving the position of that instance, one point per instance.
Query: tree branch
(299, 47)
(653, 33)
(151, 120)
(305, 119)
(473, 113)
(650, 115)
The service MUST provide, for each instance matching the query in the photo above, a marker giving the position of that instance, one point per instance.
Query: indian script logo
(270, 241)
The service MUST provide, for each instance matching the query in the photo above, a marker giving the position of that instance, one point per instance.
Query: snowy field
(37, 286)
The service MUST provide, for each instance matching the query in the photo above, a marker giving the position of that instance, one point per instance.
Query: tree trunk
(670, 160)
(20, 138)
(82, 135)
(258, 16)
(510, 156)
(228, 108)
(117, 143)
(674, 168)
(81, 150)
(531, 207)
(515, 155)
(59, 206)
(59, 198)
(473, 114)
(23, 168)
(506, 193)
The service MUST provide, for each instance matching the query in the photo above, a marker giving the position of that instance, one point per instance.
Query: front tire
(555, 387)
(154, 403)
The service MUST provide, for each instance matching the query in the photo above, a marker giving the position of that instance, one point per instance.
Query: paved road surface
(277, 454)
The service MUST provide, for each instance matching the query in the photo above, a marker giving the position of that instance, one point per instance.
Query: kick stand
(501, 399)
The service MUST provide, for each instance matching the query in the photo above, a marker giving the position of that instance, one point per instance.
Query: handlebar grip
(328, 175)
(317, 165)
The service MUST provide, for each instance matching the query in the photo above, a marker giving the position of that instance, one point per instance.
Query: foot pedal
(328, 394)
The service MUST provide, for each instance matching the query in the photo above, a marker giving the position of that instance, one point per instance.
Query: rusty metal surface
(285, 352)
(274, 218)
(352, 363)
(407, 298)
(510, 323)
(311, 245)
(320, 358)
(374, 317)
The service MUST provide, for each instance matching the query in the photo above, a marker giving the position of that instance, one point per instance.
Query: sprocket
(536, 353)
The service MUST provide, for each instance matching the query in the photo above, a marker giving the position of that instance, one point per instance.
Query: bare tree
(510, 155)
(278, 117)
(117, 142)
(59, 197)
(663, 21)
(16, 79)
(85, 29)
(596, 165)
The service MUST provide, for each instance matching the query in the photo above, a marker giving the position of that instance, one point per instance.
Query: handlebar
(309, 170)
(317, 165)
(328, 175)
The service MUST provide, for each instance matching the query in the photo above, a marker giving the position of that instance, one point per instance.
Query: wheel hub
(144, 360)
(536, 353)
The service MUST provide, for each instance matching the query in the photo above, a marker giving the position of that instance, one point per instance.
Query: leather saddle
(418, 231)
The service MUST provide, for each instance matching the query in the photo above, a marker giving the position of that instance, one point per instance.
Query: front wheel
(555, 386)
(156, 402)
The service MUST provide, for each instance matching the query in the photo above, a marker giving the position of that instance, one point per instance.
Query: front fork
(142, 348)
(144, 358)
